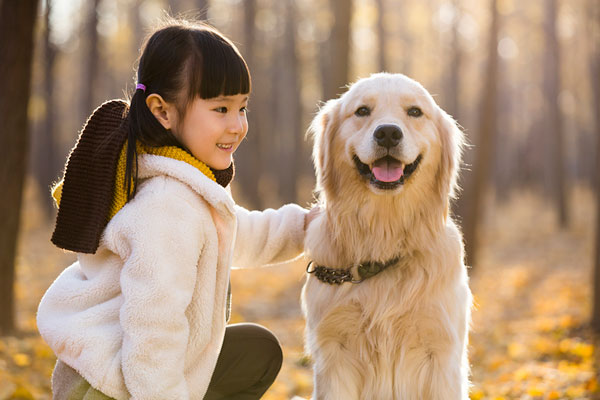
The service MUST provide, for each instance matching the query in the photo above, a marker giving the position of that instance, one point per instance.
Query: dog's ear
(452, 140)
(323, 129)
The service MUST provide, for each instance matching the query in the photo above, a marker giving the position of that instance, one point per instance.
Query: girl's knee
(262, 346)
(274, 354)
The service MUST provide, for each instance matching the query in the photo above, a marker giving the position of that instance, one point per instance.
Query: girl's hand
(311, 215)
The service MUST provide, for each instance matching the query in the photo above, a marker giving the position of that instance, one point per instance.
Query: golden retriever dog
(387, 301)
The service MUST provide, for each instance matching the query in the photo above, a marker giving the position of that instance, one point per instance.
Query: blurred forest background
(521, 77)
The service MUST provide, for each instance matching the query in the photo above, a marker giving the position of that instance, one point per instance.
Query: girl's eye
(244, 109)
(221, 110)
(362, 111)
(414, 112)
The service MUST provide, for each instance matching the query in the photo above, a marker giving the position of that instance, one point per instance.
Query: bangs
(217, 68)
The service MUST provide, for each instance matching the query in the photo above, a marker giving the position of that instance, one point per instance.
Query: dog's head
(385, 136)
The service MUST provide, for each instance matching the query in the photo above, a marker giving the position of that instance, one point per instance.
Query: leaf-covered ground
(529, 339)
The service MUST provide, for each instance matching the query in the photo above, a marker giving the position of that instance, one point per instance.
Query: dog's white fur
(403, 333)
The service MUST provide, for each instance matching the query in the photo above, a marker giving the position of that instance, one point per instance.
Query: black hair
(181, 61)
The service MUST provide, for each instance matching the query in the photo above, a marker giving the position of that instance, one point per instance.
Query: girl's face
(212, 129)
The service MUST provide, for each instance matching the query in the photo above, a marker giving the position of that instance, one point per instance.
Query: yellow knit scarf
(119, 191)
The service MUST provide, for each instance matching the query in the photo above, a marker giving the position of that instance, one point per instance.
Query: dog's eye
(362, 111)
(414, 112)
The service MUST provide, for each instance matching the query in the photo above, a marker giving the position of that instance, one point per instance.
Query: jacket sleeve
(162, 246)
(269, 236)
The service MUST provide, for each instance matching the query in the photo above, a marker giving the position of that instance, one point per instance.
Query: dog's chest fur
(392, 323)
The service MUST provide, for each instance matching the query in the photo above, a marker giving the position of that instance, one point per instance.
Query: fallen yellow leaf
(553, 395)
(22, 393)
(583, 350)
(535, 391)
(21, 360)
(42, 351)
(567, 321)
(521, 374)
(592, 385)
(565, 345)
(516, 350)
(575, 391)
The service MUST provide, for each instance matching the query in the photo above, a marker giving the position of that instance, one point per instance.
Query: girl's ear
(164, 112)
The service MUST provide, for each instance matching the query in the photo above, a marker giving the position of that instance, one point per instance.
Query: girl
(144, 202)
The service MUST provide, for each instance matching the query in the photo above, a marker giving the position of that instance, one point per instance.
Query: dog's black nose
(388, 135)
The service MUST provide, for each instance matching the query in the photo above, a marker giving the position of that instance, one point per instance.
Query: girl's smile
(225, 147)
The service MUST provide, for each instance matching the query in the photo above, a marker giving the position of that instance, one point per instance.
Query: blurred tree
(595, 79)
(555, 159)
(17, 23)
(266, 100)
(44, 150)
(407, 38)
(454, 69)
(248, 158)
(137, 26)
(335, 52)
(503, 168)
(289, 112)
(381, 36)
(471, 207)
(92, 60)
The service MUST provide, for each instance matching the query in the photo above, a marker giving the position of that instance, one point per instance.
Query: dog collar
(337, 276)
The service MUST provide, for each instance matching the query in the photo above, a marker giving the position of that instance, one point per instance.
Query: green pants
(249, 362)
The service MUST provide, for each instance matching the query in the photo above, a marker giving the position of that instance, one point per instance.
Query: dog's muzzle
(387, 172)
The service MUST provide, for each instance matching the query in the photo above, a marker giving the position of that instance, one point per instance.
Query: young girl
(144, 202)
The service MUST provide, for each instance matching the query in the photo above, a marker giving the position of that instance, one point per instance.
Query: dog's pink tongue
(387, 170)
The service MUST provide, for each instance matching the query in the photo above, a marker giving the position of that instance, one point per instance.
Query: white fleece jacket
(144, 317)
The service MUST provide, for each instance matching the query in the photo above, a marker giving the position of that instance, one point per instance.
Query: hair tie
(141, 86)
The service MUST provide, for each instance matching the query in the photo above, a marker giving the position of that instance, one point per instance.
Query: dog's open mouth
(387, 172)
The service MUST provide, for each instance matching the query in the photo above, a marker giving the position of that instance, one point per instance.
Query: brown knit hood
(89, 179)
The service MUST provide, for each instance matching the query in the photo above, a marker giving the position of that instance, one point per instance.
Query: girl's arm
(161, 243)
(269, 236)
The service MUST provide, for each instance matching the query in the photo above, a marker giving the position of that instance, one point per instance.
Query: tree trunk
(290, 108)
(555, 165)
(595, 79)
(381, 35)
(91, 63)
(46, 165)
(335, 52)
(406, 37)
(596, 83)
(247, 158)
(137, 27)
(452, 103)
(17, 21)
(504, 163)
(454, 68)
(476, 187)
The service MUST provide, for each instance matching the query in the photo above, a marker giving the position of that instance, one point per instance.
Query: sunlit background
(521, 77)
